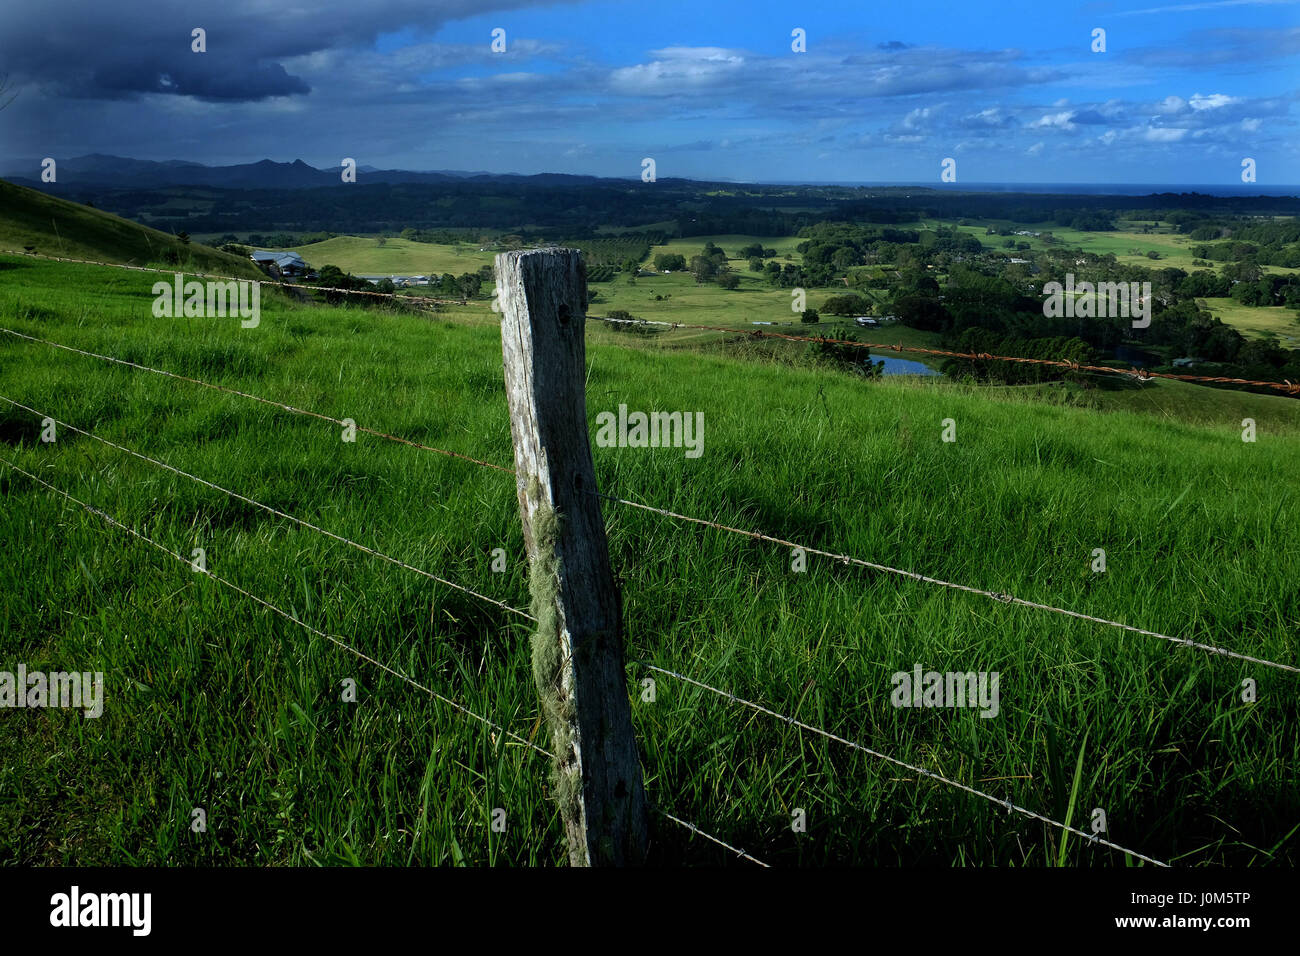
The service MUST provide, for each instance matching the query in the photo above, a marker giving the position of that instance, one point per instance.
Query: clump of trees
(849, 358)
(847, 305)
(336, 278)
(976, 341)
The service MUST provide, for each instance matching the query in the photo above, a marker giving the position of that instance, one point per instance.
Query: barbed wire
(995, 595)
(794, 722)
(275, 511)
(257, 398)
(1289, 387)
(755, 535)
(278, 283)
(361, 655)
(707, 836)
(339, 642)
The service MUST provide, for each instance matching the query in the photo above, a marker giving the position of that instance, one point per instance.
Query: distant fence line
(1290, 388)
(278, 283)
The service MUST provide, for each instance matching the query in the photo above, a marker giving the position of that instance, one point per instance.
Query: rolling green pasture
(768, 349)
(362, 255)
(214, 702)
(57, 227)
(1260, 322)
(1128, 246)
(1169, 401)
(731, 245)
(681, 299)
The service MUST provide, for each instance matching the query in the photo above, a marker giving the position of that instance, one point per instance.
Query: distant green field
(365, 256)
(1129, 247)
(683, 300)
(214, 702)
(730, 244)
(1259, 321)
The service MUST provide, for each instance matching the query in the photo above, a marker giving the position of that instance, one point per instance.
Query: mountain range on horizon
(106, 171)
(103, 170)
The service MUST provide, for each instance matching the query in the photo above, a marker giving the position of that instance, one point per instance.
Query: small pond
(898, 366)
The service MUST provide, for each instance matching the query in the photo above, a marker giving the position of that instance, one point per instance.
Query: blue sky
(885, 92)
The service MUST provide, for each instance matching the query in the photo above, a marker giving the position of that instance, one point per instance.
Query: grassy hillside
(1172, 401)
(213, 702)
(57, 227)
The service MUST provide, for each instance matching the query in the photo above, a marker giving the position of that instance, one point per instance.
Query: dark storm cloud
(91, 49)
(204, 77)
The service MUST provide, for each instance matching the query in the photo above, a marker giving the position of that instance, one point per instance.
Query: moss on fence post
(548, 654)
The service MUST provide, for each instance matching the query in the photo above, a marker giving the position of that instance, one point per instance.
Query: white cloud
(991, 117)
(1163, 134)
(1207, 5)
(1054, 121)
(1212, 102)
(676, 67)
(916, 119)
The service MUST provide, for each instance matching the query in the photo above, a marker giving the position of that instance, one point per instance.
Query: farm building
(399, 282)
(286, 263)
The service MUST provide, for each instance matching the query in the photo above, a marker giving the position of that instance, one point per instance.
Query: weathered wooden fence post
(578, 646)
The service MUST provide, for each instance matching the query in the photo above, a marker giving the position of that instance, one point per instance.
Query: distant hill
(57, 227)
(117, 172)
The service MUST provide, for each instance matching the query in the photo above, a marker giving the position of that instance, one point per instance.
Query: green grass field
(1261, 322)
(365, 256)
(1129, 247)
(682, 299)
(213, 702)
(731, 245)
